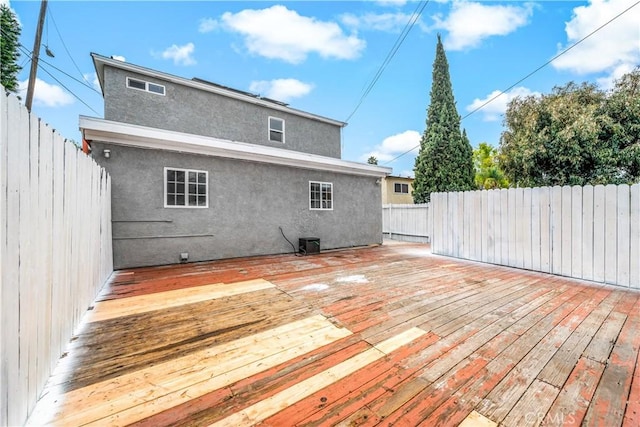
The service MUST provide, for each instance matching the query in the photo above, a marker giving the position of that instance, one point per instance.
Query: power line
(64, 45)
(530, 74)
(394, 49)
(69, 90)
(26, 52)
(85, 84)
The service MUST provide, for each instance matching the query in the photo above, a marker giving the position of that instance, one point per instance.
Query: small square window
(276, 129)
(320, 195)
(155, 88)
(401, 188)
(185, 188)
(137, 84)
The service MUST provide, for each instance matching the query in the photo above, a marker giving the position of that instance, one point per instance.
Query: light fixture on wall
(107, 153)
(378, 181)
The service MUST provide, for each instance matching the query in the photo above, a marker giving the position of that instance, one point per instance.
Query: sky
(365, 62)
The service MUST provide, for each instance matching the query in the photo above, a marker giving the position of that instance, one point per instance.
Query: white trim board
(152, 138)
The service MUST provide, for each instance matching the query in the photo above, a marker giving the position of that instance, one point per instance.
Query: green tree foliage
(9, 54)
(576, 135)
(488, 172)
(373, 160)
(445, 159)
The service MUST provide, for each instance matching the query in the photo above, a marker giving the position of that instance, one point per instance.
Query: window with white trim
(185, 188)
(320, 195)
(276, 129)
(145, 86)
(401, 188)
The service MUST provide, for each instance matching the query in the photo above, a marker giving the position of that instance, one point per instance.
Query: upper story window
(401, 188)
(320, 195)
(276, 129)
(146, 86)
(185, 188)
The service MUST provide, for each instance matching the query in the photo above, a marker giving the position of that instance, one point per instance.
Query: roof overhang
(100, 61)
(94, 129)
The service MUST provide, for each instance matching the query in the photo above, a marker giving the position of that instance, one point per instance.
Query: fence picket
(576, 231)
(587, 232)
(624, 229)
(610, 233)
(634, 237)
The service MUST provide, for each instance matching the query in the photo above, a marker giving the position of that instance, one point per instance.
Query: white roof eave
(153, 138)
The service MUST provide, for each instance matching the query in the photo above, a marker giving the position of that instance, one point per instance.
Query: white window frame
(400, 184)
(186, 184)
(321, 208)
(269, 129)
(146, 86)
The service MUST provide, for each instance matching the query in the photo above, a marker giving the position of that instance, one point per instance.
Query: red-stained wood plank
(611, 395)
(352, 393)
(574, 399)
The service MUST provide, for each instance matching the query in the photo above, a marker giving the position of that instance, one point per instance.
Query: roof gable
(100, 62)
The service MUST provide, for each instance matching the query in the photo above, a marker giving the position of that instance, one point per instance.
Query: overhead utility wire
(84, 83)
(394, 49)
(26, 52)
(64, 45)
(530, 74)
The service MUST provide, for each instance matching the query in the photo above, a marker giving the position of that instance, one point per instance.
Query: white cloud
(119, 58)
(390, 22)
(611, 49)
(617, 73)
(391, 2)
(181, 55)
(498, 106)
(395, 145)
(207, 25)
(281, 89)
(46, 94)
(470, 23)
(280, 33)
(93, 79)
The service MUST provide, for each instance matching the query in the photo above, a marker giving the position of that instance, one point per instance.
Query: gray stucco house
(205, 170)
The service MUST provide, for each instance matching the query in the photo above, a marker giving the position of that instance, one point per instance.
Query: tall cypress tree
(9, 53)
(445, 160)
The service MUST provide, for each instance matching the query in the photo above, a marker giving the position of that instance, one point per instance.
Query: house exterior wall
(247, 204)
(389, 196)
(190, 110)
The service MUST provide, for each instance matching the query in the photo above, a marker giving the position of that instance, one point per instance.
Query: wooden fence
(407, 222)
(590, 232)
(55, 251)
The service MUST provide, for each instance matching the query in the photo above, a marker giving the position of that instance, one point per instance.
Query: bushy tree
(9, 54)
(372, 160)
(488, 172)
(577, 135)
(445, 159)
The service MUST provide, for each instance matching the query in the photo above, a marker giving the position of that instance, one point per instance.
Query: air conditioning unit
(309, 245)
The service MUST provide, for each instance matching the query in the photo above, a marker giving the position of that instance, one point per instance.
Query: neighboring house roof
(100, 61)
(153, 138)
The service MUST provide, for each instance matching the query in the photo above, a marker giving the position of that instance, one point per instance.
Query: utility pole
(35, 55)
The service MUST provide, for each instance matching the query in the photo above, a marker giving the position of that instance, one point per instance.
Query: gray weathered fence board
(590, 232)
(55, 251)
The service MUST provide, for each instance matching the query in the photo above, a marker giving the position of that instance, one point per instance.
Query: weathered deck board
(387, 335)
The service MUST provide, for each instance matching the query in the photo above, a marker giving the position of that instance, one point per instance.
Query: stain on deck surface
(387, 335)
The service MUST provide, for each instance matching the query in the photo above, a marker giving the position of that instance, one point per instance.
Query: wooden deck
(387, 335)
